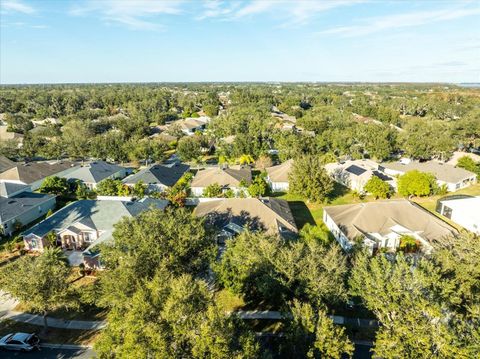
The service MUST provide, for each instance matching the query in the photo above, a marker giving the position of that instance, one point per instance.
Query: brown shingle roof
(267, 213)
(223, 177)
(33, 171)
(280, 172)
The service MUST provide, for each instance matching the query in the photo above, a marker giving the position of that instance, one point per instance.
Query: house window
(87, 237)
(447, 212)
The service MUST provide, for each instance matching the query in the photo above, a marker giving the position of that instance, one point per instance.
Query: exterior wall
(460, 218)
(198, 191)
(73, 241)
(337, 233)
(34, 243)
(29, 215)
(278, 186)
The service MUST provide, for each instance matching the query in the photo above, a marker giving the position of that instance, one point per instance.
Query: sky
(67, 41)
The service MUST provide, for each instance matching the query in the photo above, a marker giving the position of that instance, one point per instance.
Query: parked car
(20, 341)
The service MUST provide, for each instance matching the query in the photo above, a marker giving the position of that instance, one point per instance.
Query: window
(447, 212)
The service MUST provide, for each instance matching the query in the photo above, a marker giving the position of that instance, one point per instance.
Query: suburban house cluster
(81, 226)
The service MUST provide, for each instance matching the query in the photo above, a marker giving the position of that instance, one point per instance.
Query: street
(47, 353)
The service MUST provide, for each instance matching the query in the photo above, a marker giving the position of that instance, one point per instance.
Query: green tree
(189, 148)
(377, 187)
(416, 183)
(309, 179)
(258, 188)
(173, 239)
(55, 185)
(469, 164)
(312, 334)
(139, 189)
(41, 283)
(213, 190)
(109, 187)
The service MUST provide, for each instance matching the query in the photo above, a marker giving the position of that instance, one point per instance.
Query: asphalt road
(47, 353)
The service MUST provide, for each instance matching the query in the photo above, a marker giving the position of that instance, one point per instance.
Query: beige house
(227, 178)
(232, 215)
(381, 224)
(277, 176)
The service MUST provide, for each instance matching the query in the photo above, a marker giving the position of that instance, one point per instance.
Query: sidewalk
(8, 304)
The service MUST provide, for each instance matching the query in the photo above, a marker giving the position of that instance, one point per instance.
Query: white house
(453, 177)
(355, 174)
(463, 211)
(277, 176)
(382, 224)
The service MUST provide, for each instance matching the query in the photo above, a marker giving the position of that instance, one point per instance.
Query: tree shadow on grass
(301, 214)
(339, 190)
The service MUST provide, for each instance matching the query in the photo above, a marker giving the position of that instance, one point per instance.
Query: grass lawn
(54, 335)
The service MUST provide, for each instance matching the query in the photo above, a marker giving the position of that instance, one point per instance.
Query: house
(5, 164)
(19, 206)
(80, 226)
(157, 177)
(453, 177)
(227, 178)
(277, 176)
(34, 173)
(355, 174)
(381, 224)
(232, 215)
(463, 211)
(94, 172)
(191, 125)
(10, 136)
(457, 155)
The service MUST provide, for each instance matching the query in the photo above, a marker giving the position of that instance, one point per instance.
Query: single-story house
(463, 211)
(453, 177)
(277, 176)
(381, 224)
(191, 125)
(34, 173)
(227, 178)
(82, 225)
(18, 205)
(158, 177)
(232, 215)
(10, 136)
(94, 172)
(355, 174)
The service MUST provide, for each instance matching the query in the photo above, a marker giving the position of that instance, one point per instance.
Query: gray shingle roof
(9, 189)
(5, 164)
(442, 172)
(14, 206)
(166, 175)
(223, 177)
(94, 172)
(102, 214)
(34, 171)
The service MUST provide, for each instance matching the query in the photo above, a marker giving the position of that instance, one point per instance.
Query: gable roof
(166, 175)
(280, 172)
(94, 172)
(14, 206)
(268, 214)
(378, 217)
(442, 172)
(223, 177)
(9, 189)
(95, 214)
(34, 171)
(5, 164)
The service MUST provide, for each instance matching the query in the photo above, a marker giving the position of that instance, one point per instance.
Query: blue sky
(305, 40)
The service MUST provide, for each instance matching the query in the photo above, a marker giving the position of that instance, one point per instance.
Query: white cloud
(293, 12)
(16, 6)
(398, 21)
(133, 13)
